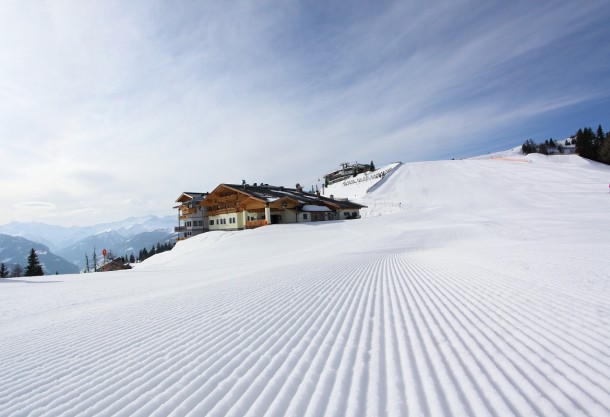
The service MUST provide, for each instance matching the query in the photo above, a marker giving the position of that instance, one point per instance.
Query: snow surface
(484, 293)
(356, 187)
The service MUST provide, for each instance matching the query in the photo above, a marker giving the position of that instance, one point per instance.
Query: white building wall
(289, 216)
(228, 221)
(304, 217)
(194, 223)
(349, 214)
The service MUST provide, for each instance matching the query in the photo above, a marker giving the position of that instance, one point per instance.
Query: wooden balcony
(187, 211)
(253, 224)
(222, 211)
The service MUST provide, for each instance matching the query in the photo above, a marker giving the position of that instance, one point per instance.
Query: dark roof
(115, 265)
(271, 193)
(194, 197)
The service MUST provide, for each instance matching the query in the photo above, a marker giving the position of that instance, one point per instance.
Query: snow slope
(485, 293)
(356, 187)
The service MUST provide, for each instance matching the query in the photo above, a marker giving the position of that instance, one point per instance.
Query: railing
(222, 211)
(252, 224)
(179, 229)
(185, 211)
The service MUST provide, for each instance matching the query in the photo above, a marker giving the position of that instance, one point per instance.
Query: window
(304, 216)
(211, 222)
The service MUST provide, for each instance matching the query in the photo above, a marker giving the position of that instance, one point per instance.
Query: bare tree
(16, 271)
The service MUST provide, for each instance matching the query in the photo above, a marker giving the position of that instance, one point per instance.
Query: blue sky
(110, 109)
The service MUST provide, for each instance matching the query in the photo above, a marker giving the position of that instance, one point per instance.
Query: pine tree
(87, 266)
(585, 145)
(3, 271)
(372, 166)
(33, 268)
(94, 259)
(600, 133)
(604, 150)
(132, 259)
(529, 146)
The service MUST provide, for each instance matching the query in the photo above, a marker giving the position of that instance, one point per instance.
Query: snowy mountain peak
(58, 237)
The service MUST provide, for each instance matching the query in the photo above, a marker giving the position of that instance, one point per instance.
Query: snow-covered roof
(310, 207)
(270, 193)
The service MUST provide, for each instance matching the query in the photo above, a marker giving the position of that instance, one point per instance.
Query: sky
(111, 109)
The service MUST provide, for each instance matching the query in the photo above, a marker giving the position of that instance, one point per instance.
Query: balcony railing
(252, 224)
(185, 211)
(179, 229)
(222, 211)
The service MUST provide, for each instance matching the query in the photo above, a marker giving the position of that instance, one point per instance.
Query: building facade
(238, 207)
(192, 219)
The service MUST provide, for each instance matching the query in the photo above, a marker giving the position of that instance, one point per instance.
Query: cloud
(107, 102)
(36, 205)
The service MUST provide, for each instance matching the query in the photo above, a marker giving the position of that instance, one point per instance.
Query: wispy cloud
(105, 102)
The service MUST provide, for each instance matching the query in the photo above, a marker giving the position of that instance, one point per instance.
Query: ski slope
(355, 187)
(483, 293)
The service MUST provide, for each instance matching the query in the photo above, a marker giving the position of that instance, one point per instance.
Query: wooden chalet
(237, 207)
(192, 218)
(115, 265)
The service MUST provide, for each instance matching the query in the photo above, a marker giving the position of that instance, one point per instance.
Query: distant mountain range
(15, 250)
(115, 242)
(72, 243)
(58, 237)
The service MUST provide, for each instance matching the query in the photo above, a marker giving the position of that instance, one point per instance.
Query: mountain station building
(238, 207)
